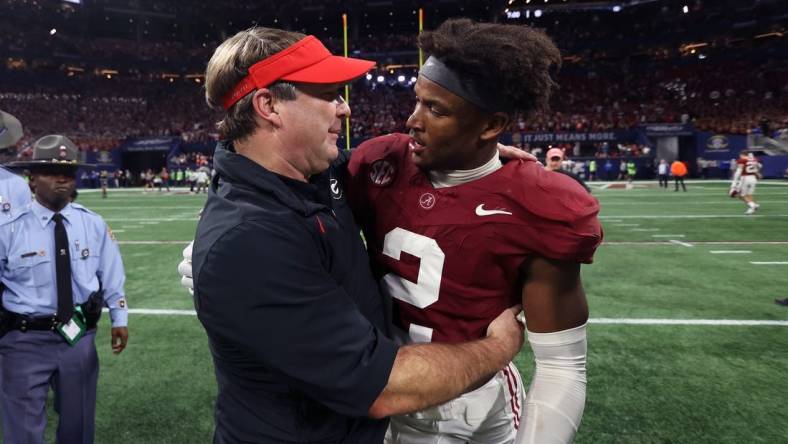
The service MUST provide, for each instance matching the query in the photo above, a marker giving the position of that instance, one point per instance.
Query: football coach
(283, 286)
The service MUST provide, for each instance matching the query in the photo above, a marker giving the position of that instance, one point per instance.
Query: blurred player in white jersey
(748, 171)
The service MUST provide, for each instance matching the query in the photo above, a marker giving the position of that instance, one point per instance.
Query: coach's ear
(495, 125)
(263, 103)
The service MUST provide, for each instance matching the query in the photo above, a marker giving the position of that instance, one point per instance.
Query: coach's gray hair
(230, 63)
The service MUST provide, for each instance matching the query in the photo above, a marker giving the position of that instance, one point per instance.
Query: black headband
(437, 71)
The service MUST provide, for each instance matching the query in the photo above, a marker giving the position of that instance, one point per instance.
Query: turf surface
(646, 383)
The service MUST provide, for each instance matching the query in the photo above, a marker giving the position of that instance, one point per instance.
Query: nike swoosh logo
(480, 211)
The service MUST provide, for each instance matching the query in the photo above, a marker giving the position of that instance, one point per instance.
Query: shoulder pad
(382, 145)
(554, 196)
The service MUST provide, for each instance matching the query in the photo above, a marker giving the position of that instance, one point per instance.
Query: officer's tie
(65, 299)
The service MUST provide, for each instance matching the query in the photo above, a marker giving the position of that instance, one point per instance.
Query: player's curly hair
(513, 62)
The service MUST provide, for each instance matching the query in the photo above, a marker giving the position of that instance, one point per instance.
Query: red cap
(306, 61)
(555, 152)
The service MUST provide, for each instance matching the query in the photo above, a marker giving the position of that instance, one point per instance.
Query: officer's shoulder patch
(82, 208)
(110, 233)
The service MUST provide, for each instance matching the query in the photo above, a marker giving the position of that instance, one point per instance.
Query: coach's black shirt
(293, 315)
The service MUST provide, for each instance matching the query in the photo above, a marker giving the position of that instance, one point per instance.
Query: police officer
(14, 192)
(60, 265)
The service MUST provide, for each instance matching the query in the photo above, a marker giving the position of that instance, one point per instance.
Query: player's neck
(444, 179)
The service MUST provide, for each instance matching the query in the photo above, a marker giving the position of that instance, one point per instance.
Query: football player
(456, 236)
(748, 171)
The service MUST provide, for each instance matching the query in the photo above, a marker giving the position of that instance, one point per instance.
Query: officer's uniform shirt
(14, 195)
(27, 267)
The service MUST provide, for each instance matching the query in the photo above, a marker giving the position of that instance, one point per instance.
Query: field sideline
(685, 343)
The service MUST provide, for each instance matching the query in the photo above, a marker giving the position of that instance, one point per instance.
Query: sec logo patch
(381, 173)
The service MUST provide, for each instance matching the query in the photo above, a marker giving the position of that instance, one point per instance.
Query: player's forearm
(430, 374)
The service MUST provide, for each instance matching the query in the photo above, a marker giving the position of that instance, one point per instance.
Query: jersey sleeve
(292, 318)
(560, 217)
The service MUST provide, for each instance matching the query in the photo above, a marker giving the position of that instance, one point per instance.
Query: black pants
(680, 179)
(663, 180)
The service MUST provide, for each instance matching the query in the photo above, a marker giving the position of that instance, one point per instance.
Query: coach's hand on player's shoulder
(512, 152)
(185, 269)
(508, 330)
(120, 337)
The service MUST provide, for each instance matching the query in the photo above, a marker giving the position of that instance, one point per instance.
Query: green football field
(667, 361)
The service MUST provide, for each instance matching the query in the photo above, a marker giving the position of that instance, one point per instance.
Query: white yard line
(694, 203)
(153, 219)
(625, 225)
(648, 243)
(726, 322)
(667, 235)
(683, 244)
(730, 251)
(602, 321)
(144, 242)
(769, 263)
(694, 216)
(644, 229)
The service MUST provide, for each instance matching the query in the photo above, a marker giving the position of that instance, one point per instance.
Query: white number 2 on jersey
(425, 291)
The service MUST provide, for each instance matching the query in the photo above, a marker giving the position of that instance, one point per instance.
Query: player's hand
(185, 269)
(508, 330)
(511, 152)
(120, 337)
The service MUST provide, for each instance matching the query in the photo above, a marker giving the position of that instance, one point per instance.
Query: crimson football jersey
(450, 257)
(749, 167)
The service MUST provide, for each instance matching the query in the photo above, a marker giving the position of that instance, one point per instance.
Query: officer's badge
(122, 303)
(6, 207)
(85, 253)
(42, 253)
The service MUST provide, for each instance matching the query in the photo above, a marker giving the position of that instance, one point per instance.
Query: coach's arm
(424, 375)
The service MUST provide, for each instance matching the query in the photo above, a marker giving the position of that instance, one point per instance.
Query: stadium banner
(104, 159)
(719, 146)
(150, 144)
(775, 167)
(567, 137)
(667, 129)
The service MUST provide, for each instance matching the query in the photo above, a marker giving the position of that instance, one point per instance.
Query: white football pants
(487, 415)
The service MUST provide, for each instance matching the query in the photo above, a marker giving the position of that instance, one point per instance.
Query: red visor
(306, 61)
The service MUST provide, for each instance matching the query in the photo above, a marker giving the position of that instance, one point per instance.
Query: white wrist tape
(555, 401)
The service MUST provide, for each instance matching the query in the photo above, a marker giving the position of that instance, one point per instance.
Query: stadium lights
(52, 31)
(369, 76)
(616, 8)
(413, 79)
(538, 13)
(401, 79)
(685, 9)
(381, 79)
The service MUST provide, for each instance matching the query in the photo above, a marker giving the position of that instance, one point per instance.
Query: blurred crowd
(732, 98)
